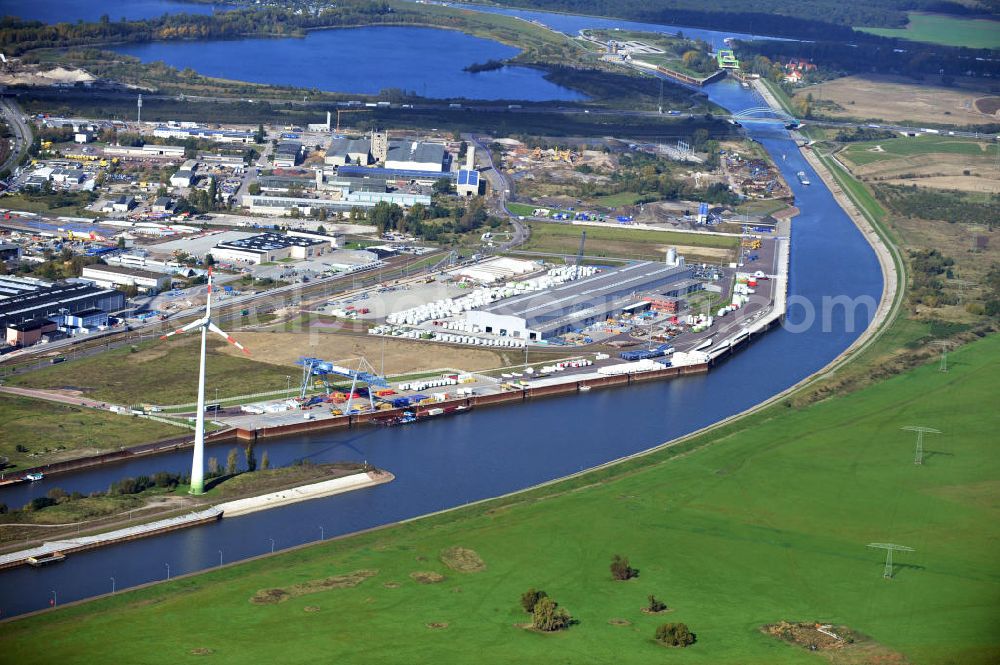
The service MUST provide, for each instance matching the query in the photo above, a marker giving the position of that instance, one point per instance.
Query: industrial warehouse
(36, 309)
(545, 314)
(269, 247)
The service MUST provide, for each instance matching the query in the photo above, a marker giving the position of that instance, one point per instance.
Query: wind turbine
(205, 324)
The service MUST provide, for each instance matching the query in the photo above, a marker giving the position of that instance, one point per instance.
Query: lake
(71, 11)
(427, 61)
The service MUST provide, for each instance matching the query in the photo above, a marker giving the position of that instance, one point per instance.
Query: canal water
(71, 11)
(491, 451)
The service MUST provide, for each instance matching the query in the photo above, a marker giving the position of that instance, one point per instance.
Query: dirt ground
(897, 99)
(847, 648)
(30, 75)
(401, 356)
(962, 183)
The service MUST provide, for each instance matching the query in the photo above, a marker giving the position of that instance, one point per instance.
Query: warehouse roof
(288, 148)
(393, 174)
(123, 270)
(93, 311)
(542, 308)
(33, 324)
(415, 151)
(266, 242)
(468, 178)
(345, 146)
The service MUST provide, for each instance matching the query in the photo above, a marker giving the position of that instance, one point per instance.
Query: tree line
(18, 36)
(769, 17)
(870, 53)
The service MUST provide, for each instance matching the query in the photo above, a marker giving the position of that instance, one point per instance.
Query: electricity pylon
(889, 549)
(918, 455)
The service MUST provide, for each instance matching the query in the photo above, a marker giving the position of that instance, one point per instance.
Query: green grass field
(769, 522)
(619, 241)
(864, 152)
(618, 200)
(947, 30)
(56, 431)
(161, 372)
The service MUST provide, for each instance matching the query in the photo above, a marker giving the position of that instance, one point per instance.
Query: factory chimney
(470, 158)
(328, 119)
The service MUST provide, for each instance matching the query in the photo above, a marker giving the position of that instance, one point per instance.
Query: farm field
(159, 372)
(615, 241)
(947, 30)
(867, 152)
(929, 161)
(771, 522)
(898, 99)
(68, 431)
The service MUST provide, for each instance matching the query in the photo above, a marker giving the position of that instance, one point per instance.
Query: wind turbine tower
(205, 325)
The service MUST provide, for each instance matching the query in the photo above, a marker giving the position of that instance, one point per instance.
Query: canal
(488, 452)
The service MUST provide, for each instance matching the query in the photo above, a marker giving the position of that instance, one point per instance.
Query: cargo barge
(801, 175)
(407, 417)
(45, 559)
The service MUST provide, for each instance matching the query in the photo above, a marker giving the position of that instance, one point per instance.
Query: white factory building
(268, 247)
(148, 150)
(283, 205)
(114, 276)
(217, 135)
(184, 175)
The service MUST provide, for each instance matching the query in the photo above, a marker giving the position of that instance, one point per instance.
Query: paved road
(52, 396)
(22, 132)
(502, 190)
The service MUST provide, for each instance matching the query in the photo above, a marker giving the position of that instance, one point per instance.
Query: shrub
(530, 598)
(621, 570)
(655, 605)
(548, 616)
(674, 635)
(40, 502)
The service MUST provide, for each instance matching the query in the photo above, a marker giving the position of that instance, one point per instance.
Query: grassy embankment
(624, 242)
(769, 522)
(102, 512)
(946, 30)
(51, 432)
(159, 372)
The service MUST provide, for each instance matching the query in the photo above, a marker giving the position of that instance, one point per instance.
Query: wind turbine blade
(191, 326)
(218, 331)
